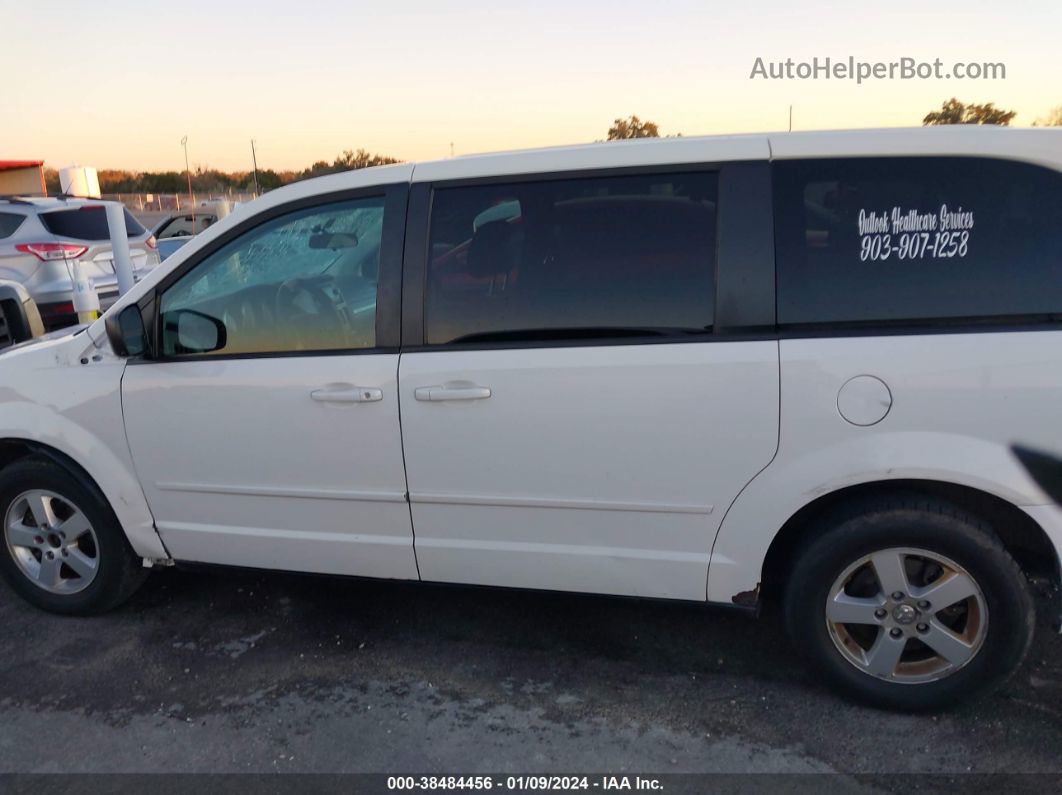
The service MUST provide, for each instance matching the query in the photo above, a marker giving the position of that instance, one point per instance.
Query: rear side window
(87, 223)
(568, 259)
(894, 240)
(9, 222)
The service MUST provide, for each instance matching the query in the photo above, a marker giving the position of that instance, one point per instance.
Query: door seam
(133, 461)
(733, 502)
(405, 469)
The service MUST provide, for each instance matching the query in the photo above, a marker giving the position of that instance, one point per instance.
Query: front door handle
(453, 390)
(347, 394)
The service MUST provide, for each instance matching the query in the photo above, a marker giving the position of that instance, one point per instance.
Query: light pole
(254, 162)
(188, 171)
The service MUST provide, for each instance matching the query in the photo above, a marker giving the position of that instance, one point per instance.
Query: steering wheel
(312, 311)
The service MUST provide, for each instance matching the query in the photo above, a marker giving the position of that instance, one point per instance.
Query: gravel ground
(252, 673)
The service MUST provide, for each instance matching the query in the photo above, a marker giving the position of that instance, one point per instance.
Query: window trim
(745, 297)
(989, 324)
(388, 285)
(750, 246)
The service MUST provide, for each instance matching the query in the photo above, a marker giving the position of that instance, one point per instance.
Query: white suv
(714, 370)
(39, 237)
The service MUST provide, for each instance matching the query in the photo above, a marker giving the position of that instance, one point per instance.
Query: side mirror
(126, 332)
(188, 331)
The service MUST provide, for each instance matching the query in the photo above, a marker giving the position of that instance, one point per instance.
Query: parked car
(178, 228)
(20, 321)
(717, 370)
(39, 237)
(171, 244)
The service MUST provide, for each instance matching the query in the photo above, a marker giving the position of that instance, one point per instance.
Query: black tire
(928, 524)
(119, 570)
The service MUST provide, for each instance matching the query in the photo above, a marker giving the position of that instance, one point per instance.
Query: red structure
(22, 177)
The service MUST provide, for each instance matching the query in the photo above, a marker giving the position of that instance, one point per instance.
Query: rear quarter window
(898, 240)
(9, 222)
(87, 223)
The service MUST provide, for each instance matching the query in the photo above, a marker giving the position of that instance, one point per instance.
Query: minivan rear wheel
(61, 547)
(909, 603)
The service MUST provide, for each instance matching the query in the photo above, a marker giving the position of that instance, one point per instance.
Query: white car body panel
(1040, 146)
(534, 487)
(54, 400)
(958, 402)
(241, 466)
(603, 469)
(616, 154)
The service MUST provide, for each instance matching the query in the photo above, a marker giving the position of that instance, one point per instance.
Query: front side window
(305, 281)
(625, 256)
(901, 240)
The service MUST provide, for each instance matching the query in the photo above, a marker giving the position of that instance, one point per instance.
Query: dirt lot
(222, 671)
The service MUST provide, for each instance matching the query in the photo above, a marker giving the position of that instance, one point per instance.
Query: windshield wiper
(579, 333)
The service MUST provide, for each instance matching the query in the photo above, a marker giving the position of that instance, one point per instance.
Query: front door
(280, 448)
(573, 421)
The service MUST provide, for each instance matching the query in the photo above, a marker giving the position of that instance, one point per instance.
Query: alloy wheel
(907, 615)
(51, 541)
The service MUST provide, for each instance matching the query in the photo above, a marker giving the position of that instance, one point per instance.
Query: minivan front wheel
(61, 547)
(909, 603)
(51, 541)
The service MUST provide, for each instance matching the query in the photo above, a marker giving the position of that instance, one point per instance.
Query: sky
(118, 83)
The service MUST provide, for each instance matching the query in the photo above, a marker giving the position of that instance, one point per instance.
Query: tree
(346, 161)
(210, 180)
(162, 182)
(632, 127)
(360, 159)
(51, 181)
(114, 181)
(1053, 119)
(269, 179)
(318, 169)
(955, 112)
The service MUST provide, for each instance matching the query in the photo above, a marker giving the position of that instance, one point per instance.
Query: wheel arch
(14, 449)
(1022, 535)
(145, 540)
(11, 450)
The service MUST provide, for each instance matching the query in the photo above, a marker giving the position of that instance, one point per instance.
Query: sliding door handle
(347, 394)
(454, 390)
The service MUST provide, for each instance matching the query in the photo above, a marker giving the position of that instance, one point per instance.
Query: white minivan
(722, 370)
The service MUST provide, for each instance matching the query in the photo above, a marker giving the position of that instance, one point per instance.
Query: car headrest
(370, 269)
(494, 249)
